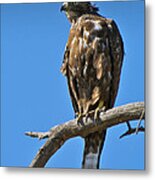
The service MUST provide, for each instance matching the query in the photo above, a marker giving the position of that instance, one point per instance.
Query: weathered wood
(59, 134)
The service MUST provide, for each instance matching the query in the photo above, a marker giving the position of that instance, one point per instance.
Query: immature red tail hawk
(92, 64)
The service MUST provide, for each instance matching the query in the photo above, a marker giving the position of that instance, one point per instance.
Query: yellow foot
(79, 117)
(100, 108)
(96, 113)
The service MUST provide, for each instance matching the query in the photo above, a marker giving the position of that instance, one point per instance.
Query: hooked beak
(63, 8)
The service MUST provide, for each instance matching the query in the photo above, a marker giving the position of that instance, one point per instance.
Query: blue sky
(34, 94)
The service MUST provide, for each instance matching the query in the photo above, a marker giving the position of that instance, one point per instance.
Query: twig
(39, 135)
(140, 119)
(132, 131)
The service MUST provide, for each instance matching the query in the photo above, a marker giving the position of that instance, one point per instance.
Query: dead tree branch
(59, 134)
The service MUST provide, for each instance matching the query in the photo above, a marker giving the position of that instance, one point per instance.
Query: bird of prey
(92, 65)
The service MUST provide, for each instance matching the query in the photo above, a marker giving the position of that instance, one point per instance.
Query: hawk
(92, 64)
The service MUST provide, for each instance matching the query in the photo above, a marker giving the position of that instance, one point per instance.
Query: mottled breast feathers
(92, 62)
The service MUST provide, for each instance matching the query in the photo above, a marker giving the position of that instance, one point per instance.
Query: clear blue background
(34, 94)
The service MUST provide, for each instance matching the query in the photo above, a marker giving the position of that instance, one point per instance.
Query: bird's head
(74, 10)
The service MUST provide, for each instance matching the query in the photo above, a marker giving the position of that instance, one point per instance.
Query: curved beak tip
(62, 8)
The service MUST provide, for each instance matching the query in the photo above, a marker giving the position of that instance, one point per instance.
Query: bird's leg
(79, 116)
(97, 110)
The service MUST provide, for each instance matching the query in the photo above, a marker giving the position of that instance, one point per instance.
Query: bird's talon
(96, 114)
(79, 117)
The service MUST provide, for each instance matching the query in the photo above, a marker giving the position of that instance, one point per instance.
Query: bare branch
(39, 135)
(132, 131)
(59, 134)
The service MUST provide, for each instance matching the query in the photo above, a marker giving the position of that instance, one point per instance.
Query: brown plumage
(92, 64)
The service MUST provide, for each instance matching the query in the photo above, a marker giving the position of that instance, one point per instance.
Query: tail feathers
(93, 147)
